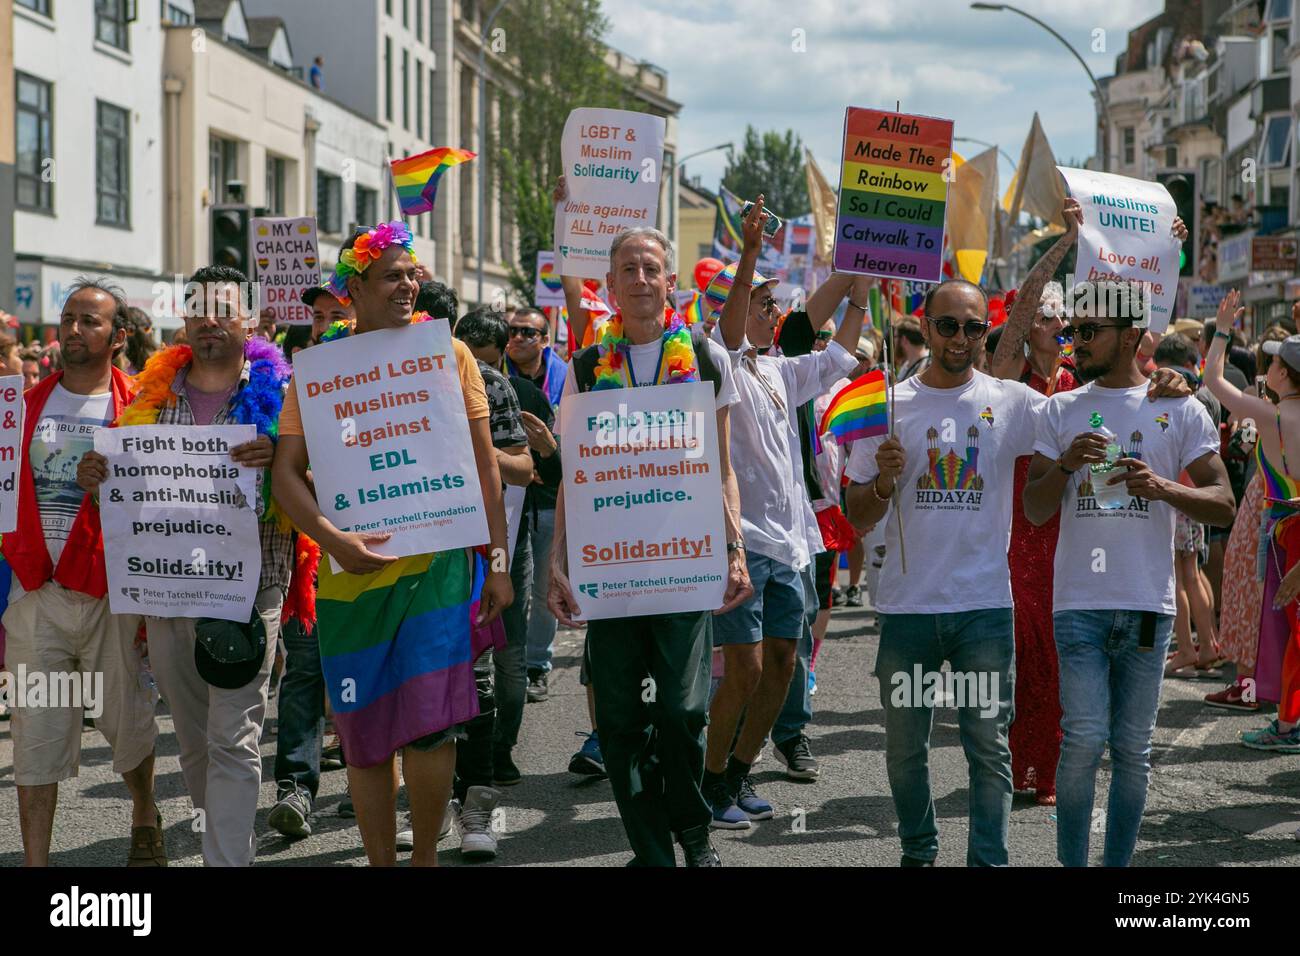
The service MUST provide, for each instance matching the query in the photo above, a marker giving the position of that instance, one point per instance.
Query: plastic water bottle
(1108, 497)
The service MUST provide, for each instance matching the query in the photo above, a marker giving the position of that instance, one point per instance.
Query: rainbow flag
(416, 177)
(692, 306)
(396, 650)
(858, 410)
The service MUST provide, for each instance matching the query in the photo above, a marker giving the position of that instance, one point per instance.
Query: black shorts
(824, 564)
(439, 737)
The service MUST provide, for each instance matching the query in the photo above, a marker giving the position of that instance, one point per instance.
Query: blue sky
(732, 63)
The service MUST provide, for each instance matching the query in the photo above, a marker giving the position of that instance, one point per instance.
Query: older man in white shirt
(760, 638)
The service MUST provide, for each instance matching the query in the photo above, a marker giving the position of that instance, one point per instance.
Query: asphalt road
(1212, 802)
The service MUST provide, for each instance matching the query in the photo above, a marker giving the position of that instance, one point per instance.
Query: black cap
(229, 654)
(314, 293)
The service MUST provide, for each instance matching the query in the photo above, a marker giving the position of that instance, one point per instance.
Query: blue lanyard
(658, 365)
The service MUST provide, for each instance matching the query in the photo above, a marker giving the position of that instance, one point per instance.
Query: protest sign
(1127, 235)
(612, 161)
(1203, 300)
(547, 290)
(388, 439)
(180, 521)
(11, 449)
(287, 266)
(513, 498)
(893, 195)
(643, 500)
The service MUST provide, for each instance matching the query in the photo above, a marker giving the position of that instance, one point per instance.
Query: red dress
(1036, 730)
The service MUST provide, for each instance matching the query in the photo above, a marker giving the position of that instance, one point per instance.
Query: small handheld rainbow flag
(858, 410)
(416, 177)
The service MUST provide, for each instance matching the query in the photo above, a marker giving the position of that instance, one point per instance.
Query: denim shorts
(775, 610)
(439, 737)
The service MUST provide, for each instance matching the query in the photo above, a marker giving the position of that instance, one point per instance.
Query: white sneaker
(406, 836)
(476, 837)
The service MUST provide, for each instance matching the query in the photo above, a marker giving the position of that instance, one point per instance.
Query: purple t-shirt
(205, 405)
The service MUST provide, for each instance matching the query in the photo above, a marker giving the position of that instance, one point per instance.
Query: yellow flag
(823, 202)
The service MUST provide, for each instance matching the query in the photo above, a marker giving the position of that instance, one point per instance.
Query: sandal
(147, 847)
(1186, 672)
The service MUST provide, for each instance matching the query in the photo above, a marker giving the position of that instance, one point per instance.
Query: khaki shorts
(55, 631)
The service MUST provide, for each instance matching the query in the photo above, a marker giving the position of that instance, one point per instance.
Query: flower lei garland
(368, 247)
(677, 362)
(257, 404)
(342, 329)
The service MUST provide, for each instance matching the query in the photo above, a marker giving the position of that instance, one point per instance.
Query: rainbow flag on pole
(858, 410)
(416, 177)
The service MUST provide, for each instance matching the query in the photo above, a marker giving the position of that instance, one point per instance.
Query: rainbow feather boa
(677, 362)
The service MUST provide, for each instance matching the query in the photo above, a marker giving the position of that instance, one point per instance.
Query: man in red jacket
(58, 622)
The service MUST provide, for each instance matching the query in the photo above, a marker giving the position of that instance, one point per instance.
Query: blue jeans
(541, 622)
(978, 643)
(511, 675)
(796, 713)
(301, 712)
(1110, 692)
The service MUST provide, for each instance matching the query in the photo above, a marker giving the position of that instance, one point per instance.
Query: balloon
(705, 270)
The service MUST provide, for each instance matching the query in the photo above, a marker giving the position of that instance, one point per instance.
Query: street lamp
(1101, 99)
(482, 141)
(677, 166)
(981, 142)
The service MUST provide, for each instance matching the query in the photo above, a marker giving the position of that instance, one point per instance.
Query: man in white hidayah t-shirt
(957, 434)
(1113, 598)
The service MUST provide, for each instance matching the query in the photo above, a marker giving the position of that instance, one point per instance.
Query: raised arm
(1009, 356)
(572, 285)
(826, 299)
(855, 315)
(736, 309)
(1240, 403)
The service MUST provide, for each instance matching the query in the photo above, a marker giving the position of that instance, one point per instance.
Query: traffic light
(229, 234)
(1182, 187)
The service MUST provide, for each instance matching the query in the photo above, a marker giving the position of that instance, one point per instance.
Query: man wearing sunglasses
(1113, 590)
(949, 467)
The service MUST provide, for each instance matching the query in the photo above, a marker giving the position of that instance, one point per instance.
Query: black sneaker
(914, 861)
(797, 757)
(346, 809)
(853, 596)
(504, 771)
(837, 596)
(537, 689)
(696, 847)
(289, 815)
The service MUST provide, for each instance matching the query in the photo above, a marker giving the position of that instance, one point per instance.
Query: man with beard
(58, 619)
(1113, 593)
(218, 379)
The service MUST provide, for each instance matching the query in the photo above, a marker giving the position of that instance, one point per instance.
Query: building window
(419, 20)
(388, 7)
(111, 20)
(40, 6)
(1171, 156)
(1278, 10)
(329, 202)
(1209, 180)
(34, 170)
(469, 11)
(367, 206)
(388, 78)
(419, 100)
(275, 168)
(1275, 148)
(175, 14)
(112, 165)
(1130, 150)
(432, 134)
(406, 14)
(223, 166)
(406, 90)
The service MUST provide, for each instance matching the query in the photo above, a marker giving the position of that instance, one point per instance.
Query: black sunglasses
(947, 327)
(526, 331)
(1087, 331)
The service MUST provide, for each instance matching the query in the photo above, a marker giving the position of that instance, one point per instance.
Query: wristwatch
(737, 545)
(1063, 468)
(1220, 334)
(856, 306)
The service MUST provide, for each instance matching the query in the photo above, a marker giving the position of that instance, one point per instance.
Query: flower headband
(368, 247)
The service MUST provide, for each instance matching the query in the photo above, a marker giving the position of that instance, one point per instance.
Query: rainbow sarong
(395, 651)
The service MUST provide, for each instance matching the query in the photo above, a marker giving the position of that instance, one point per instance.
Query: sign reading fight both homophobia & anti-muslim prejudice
(288, 264)
(612, 161)
(389, 444)
(643, 501)
(1127, 234)
(893, 195)
(11, 449)
(180, 521)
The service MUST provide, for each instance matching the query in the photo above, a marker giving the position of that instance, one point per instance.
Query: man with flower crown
(225, 375)
(654, 750)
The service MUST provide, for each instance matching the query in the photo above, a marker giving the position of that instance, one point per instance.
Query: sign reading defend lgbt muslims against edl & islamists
(643, 501)
(388, 440)
(612, 161)
(893, 195)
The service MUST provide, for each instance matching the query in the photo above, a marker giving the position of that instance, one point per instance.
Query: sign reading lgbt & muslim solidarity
(893, 195)
(180, 521)
(388, 440)
(547, 290)
(11, 449)
(643, 500)
(1127, 235)
(288, 265)
(612, 161)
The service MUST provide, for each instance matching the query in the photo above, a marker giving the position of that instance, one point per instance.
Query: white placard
(388, 439)
(11, 449)
(613, 163)
(643, 501)
(547, 290)
(288, 264)
(514, 502)
(180, 521)
(1127, 234)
